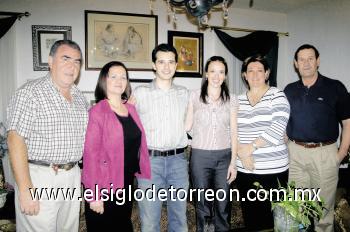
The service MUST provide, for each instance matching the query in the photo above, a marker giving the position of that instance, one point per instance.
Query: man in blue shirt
(318, 104)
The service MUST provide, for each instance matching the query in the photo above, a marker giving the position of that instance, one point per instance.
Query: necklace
(255, 97)
(115, 106)
(215, 100)
(214, 95)
(120, 109)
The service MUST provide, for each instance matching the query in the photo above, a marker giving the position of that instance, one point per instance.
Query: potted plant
(294, 211)
(3, 151)
(3, 192)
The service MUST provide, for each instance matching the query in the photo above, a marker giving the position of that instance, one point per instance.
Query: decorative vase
(283, 221)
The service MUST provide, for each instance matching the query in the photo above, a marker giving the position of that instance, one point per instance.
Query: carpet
(236, 218)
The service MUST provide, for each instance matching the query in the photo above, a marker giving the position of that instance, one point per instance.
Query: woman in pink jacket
(115, 151)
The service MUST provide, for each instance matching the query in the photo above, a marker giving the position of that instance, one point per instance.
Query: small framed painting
(189, 47)
(43, 37)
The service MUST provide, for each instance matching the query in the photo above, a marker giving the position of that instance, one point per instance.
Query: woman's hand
(97, 206)
(248, 163)
(245, 150)
(231, 173)
(245, 154)
(132, 100)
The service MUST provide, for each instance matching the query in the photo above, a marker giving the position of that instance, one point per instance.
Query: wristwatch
(255, 146)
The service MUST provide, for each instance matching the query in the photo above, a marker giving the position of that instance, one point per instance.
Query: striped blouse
(266, 120)
(211, 122)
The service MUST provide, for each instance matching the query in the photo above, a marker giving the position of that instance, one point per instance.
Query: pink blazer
(103, 158)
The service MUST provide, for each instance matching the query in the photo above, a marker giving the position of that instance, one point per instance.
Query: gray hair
(69, 43)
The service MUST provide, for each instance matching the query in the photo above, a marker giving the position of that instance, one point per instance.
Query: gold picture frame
(129, 38)
(189, 47)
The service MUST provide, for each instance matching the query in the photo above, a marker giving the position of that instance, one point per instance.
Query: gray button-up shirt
(163, 113)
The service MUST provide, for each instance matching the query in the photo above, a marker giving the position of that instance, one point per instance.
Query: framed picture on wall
(129, 38)
(90, 97)
(189, 47)
(43, 37)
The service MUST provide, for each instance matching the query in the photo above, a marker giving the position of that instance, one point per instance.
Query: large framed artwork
(125, 37)
(43, 37)
(189, 47)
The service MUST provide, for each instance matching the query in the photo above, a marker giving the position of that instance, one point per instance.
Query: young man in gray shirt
(162, 108)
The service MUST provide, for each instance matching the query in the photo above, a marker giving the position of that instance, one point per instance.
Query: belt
(313, 145)
(67, 166)
(166, 153)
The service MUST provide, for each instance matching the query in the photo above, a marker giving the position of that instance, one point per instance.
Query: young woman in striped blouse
(262, 153)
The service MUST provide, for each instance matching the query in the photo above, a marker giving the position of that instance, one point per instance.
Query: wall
(326, 25)
(68, 12)
(7, 70)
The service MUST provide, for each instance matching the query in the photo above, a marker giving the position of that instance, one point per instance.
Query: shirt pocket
(224, 115)
(105, 168)
(202, 118)
(48, 124)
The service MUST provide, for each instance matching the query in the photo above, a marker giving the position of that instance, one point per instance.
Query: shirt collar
(154, 86)
(319, 80)
(73, 89)
(317, 83)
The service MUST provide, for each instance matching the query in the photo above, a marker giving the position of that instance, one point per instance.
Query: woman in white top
(262, 153)
(211, 118)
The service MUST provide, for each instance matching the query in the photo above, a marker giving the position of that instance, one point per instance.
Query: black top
(132, 142)
(316, 111)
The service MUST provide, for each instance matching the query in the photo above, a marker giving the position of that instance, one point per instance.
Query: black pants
(209, 171)
(257, 215)
(115, 217)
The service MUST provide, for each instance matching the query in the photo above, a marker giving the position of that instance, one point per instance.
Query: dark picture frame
(129, 38)
(43, 37)
(189, 46)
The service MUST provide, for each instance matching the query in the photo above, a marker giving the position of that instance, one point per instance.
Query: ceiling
(281, 6)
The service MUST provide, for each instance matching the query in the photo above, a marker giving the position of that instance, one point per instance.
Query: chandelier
(196, 8)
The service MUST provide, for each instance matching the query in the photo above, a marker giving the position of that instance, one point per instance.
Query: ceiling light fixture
(196, 8)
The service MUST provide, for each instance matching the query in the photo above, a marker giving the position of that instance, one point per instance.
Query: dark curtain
(258, 42)
(6, 23)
